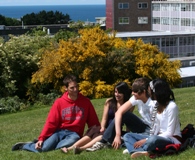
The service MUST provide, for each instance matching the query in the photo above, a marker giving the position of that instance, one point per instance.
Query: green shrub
(47, 99)
(11, 104)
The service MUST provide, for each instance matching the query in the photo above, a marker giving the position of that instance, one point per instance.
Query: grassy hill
(26, 126)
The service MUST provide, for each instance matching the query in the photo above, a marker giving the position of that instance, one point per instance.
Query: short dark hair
(162, 91)
(141, 84)
(68, 79)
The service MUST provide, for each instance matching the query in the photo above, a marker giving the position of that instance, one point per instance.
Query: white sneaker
(126, 151)
(139, 154)
(97, 146)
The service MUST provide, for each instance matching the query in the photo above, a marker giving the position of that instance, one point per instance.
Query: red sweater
(71, 115)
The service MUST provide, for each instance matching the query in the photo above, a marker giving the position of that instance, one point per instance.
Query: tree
(44, 18)
(19, 58)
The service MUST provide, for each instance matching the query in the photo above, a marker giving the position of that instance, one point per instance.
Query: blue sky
(49, 2)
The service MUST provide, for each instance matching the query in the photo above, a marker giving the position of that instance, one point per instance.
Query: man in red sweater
(65, 122)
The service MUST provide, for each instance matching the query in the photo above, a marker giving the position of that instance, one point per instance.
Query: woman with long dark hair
(165, 127)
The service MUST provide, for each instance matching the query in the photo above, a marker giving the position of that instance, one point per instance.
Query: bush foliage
(95, 56)
(36, 63)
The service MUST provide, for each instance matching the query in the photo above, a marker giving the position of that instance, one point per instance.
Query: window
(185, 7)
(193, 6)
(142, 5)
(156, 7)
(193, 22)
(123, 20)
(165, 21)
(123, 5)
(142, 20)
(185, 21)
(175, 21)
(165, 7)
(156, 20)
(175, 7)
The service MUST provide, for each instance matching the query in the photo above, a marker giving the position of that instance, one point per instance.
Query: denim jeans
(61, 138)
(133, 123)
(151, 144)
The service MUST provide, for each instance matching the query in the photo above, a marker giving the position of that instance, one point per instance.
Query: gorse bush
(36, 63)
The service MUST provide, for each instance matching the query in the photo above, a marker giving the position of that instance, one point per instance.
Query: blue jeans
(61, 138)
(133, 123)
(151, 144)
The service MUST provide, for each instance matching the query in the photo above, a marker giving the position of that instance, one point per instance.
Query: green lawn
(26, 126)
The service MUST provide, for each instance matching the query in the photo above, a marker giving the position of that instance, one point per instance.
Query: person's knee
(127, 136)
(152, 139)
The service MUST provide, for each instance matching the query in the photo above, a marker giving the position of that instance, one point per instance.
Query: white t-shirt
(168, 122)
(144, 109)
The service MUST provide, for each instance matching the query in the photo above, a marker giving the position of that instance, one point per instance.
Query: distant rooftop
(153, 33)
(187, 72)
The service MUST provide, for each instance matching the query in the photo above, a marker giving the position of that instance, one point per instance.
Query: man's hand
(117, 142)
(139, 143)
(38, 145)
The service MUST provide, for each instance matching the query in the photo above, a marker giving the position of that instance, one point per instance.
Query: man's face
(73, 89)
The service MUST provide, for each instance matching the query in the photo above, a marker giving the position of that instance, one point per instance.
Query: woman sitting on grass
(166, 125)
(121, 94)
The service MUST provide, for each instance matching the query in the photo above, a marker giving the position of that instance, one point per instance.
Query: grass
(26, 126)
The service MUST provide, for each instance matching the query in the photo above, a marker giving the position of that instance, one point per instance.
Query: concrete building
(173, 15)
(175, 44)
(169, 24)
(148, 15)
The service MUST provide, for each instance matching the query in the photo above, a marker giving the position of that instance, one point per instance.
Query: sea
(76, 12)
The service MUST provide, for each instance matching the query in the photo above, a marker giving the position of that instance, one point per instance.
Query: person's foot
(97, 146)
(76, 150)
(126, 151)
(18, 146)
(64, 150)
(139, 154)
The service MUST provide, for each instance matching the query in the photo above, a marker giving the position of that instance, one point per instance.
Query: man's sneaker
(139, 154)
(126, 151)
(18, 146)
(97, 146)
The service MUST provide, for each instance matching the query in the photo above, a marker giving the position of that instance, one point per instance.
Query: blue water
(76, 12)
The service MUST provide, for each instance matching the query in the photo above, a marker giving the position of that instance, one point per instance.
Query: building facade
(173, 15)
(131, 15)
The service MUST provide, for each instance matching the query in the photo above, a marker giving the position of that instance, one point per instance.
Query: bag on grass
(188, 140)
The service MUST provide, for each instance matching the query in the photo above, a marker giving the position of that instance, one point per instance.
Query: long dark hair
(162, 91)
(122, 87)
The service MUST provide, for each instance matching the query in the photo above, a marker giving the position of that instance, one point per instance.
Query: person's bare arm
(118, 118)
(104, 115)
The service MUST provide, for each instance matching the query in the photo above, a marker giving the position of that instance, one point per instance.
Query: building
(173, 15)
(176, 44)
(148, 15)
(126, 16)
(188, 76)
(169, 24)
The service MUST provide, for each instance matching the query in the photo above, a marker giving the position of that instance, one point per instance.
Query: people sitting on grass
(166, 126)
(65, 122)
(145, 105)
(121, 94)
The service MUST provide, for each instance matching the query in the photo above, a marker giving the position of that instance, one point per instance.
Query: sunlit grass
(26, 126)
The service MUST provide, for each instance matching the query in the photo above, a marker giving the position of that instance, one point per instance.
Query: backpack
(188, 137)
(188, 140)
(187, 132)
